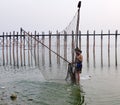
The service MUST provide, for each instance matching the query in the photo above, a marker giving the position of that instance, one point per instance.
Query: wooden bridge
(18, 49)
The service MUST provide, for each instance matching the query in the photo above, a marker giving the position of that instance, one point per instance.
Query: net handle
(22, 30)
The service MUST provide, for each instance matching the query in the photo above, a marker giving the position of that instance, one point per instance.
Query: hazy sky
(45, 15)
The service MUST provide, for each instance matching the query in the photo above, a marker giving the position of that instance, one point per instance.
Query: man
(74, 73)
(78, 64)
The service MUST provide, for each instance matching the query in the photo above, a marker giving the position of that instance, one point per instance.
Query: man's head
(77, 50)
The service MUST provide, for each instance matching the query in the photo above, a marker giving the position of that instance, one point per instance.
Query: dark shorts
(78, 67)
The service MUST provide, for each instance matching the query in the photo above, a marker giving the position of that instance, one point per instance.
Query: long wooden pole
(31, 50)
(45, 46)
(80, 39)
(6, 49)
(109, 48)
(21, 43)
(3, 51)
(17, 51)
(50, 48)
(87, 48)
(58, 47)
(28, 52)
(24, 50)
(65, 45)
(43, 49)
(77, 26)
(35, 49)
(38, 51)
(14, 48)
(10, 49)
(101, 48)
(116, 33)
(73, 46)
(94, 48)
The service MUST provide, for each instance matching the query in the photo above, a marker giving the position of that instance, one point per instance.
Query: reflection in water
(78, 95)
(32, 89)
(46, 93)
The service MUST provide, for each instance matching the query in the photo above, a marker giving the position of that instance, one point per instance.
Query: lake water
(35, 86)
(46, 85)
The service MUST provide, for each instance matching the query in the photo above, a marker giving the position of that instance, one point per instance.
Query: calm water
(31, 88)
(45, 85)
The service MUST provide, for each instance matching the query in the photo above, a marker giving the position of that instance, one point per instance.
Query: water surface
(98, 86)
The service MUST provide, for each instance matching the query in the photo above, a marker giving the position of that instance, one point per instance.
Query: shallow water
(103, 88)
(32, 89)
(98, 86)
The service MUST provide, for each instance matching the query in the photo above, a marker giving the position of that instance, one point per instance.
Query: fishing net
(39, 53)
(70, 73)
(71, 26)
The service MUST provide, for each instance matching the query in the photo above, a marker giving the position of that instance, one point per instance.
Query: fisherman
(78, 64)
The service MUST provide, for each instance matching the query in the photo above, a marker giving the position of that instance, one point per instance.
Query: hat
(77, 49)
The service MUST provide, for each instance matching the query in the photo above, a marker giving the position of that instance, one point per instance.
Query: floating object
(13, 96)
(2, 87)
(86, 77)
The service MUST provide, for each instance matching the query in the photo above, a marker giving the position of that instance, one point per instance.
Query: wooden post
(109, 48)
(50, 48)
(101, 48)
(65, 45)
(80, 39)
(58, 47)
(116, 33)
(21, 43)
(73, 46)
(6, 48)
(87, 48)
(77, 26)
(10, 49)
(14, 48)
(38, 51)
(17, 50)
(43, 49)
(28, 51)
(31, 50)
(94, 48)
(3, 51)
(35, 49)
(24, 50)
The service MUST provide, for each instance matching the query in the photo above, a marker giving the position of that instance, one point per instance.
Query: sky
(53, 15)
